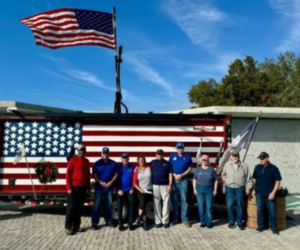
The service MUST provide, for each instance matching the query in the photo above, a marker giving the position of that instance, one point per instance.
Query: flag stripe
(49, 14)
(66, 44)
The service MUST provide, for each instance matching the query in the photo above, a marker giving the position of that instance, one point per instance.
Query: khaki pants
(161, 196)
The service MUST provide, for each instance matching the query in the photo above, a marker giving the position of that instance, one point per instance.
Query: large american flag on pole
(71, 27)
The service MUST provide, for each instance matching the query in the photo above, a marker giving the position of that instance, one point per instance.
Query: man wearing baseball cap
(236, 178)
(266, 179)
(181, 163)
(105, 174)
(125, 189)
(162, 186)
(78, 185)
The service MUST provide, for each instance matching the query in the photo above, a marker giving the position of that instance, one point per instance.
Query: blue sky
(168, 46)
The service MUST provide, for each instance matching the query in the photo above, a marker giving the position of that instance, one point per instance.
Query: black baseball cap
(159, 152)
(105, 150)
(125, 156)
(263, 155)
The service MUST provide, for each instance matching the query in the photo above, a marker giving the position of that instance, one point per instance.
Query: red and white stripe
(59, 28)
(132, 139)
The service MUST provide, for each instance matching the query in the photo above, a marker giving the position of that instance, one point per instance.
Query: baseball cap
(205, 157)
(179, 145)
(105, 150)
(235, 153)
(125, 156)
(160, 152)
(263, 155)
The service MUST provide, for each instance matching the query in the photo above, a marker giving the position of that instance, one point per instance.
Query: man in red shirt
(78, 185)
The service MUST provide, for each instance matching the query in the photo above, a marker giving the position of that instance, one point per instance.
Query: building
(277, 133)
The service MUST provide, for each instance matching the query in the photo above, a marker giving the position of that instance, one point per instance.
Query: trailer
(49, 136)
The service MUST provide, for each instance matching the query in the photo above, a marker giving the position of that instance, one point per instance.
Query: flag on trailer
(70, 27)
(20, 154)
(240, 142)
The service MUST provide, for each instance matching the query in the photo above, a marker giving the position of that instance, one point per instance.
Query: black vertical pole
(117, 108)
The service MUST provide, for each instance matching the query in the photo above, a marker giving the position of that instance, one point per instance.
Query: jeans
(261, 200)
(180, 188)
(106, 195)
(235, 195)
(130, 198)
(205, 199)
(75, 202)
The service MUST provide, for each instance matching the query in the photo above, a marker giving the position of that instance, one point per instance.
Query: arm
(249, 183)
(136, 181)
(215, 187)
(273, 193)
(69, 174)
(170, 182)
(112, 181)
(194, 186)
(88, 176)
(223, 176)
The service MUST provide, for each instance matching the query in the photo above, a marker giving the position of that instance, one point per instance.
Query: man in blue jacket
(181, 163)
(125, 189)
(105, 174)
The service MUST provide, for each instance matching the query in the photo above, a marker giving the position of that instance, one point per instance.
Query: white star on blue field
(169, 45)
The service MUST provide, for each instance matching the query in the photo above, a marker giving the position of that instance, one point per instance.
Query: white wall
(281, 140)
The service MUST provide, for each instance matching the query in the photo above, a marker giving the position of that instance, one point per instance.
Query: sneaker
(187, 224)
(274, 231)
(241, 227)
(121, 227)
(259, 229)
(79, 230)
(210, 226)
(158, 225)
(95, 227)
(145, 226)
(174, 223)
(231, 225)
(69, 231)
(166, 225)
(130, 226)
(138, 221)
(202, 225)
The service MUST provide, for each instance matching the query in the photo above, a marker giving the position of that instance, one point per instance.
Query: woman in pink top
(142, 181)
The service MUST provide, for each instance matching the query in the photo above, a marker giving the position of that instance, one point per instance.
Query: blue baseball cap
(179, 145)
(125, 156)
(105, 150)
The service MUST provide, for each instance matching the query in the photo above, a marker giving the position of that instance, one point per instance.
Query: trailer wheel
(114, 211)
(150, 210)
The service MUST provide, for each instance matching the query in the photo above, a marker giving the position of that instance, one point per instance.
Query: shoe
(79, 230)
(187, 224)
(231, 225)
(145, 226)
(166, 225)
(210, 226)
(158, 225)
(174, 223)
(69, 231)
(112, 225)
(274, 231)
(259, 229)
(202, 225)
(241, 227)
(95, 227)
(121, 227)
(138, 221)
(130, 227)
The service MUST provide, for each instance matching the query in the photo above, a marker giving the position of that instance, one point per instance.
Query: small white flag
(240, 142)
(20, 154)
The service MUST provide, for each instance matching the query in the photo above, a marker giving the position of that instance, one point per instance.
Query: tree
(248, 83)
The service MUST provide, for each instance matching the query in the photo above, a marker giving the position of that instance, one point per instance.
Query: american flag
(71, 27)
(50, 140)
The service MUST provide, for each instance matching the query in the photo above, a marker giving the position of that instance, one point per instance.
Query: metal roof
(246, 112)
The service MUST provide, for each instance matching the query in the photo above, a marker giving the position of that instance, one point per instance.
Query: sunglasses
(160, 154)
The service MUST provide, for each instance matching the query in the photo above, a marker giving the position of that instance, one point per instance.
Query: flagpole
(34, 193)
(248, 146)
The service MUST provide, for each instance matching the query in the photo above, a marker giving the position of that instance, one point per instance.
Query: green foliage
(273, 83)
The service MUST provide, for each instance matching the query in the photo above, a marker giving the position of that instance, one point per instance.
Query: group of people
(165, 182)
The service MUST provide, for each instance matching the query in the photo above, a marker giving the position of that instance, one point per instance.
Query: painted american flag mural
(51, 141)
